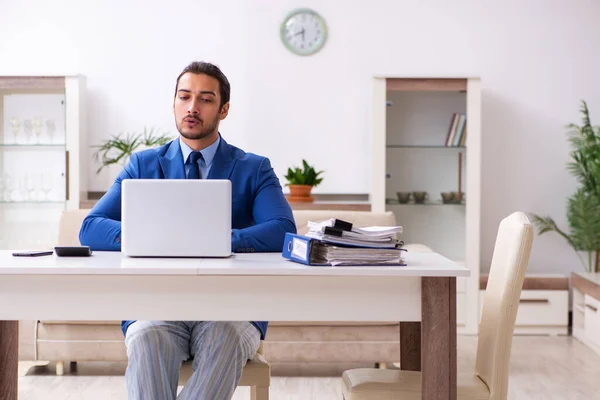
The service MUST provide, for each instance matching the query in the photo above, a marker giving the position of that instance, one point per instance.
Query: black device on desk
(73, 251)
(32, 253)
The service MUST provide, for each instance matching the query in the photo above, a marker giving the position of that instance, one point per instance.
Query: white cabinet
(543, 307)
(541, 312)
(412, 152)
(586, 320)
(43, 167)
(586, 309)
(592, 321)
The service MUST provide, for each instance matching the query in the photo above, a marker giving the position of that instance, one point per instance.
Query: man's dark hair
(201, 67)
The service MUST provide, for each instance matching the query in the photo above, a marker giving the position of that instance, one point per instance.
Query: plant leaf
(305, 175)
(547, 224)
(583, 213)
(118, 148)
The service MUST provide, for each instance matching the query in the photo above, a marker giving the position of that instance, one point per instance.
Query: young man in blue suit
(261, 217)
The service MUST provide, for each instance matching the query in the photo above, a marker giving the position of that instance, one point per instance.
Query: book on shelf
(457, 131)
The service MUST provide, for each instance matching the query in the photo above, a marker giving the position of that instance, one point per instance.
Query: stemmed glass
(37, 128)
(50, 129)
(31, 184)
(27, 128)
(7, 188)
(15, 127)
(46, 185)
(20, 191)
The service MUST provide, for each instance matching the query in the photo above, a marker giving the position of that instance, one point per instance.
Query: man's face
(196, 106)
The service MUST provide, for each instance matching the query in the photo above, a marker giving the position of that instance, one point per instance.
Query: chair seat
(385, 384)
(257, 372)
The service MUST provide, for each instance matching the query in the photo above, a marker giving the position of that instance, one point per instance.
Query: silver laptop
(176, 217)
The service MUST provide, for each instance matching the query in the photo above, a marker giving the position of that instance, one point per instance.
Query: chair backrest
(358, 218)
(507, 273)
(69, 227)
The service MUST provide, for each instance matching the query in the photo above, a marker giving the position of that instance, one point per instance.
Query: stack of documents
(338, 243)
(328, 254)
(340, 232)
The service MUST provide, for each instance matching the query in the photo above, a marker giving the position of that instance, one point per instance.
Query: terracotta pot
(300, 194)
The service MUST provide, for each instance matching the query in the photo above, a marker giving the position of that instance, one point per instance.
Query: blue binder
(297, 248)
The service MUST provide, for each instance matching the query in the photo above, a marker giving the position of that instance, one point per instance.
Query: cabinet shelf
(410, 146)
(33, 202)
(17, 145)
(392, 202)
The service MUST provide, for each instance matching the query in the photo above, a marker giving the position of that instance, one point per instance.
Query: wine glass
(21, 189)
(50, 129)
(47, 185)
(15, 127)
(37, 128)
(31, 184)
(27, 128)
(7, 187)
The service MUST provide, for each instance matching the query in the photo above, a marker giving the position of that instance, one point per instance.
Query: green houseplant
(301, 180)
(118, 148)
(583, 207)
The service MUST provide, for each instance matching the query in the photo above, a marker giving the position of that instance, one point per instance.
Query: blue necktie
(194, 171)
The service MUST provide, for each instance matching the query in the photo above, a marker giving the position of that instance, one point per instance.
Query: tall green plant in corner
(583, 207)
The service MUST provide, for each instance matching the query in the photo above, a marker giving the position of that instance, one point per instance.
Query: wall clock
(303, 32)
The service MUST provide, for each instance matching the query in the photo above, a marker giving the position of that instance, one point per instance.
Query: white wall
(536, 58)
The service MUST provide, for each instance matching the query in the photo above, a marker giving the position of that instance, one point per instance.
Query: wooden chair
(489, 380)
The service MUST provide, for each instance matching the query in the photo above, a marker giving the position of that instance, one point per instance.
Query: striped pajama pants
(156, 350)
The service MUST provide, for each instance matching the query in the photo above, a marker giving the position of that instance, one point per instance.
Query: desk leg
(9, 355)
(410, 346)
(438, 338)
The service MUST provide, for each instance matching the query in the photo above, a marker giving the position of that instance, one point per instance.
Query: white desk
(262, 286)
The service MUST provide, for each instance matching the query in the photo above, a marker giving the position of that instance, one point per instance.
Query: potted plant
(117, 150)
(301, 181)
(583, 207)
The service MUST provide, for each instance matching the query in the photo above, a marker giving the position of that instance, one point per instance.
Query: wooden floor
(541, 368)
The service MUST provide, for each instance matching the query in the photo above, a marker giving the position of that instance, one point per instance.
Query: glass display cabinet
(43, 170)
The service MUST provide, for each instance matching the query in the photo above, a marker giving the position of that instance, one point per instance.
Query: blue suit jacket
(260, 213)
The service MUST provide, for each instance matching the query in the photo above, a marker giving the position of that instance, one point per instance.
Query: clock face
(304, 32)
